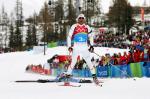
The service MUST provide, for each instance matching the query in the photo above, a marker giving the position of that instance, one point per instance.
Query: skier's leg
(73, 62)
(86, 56)
(67, 74)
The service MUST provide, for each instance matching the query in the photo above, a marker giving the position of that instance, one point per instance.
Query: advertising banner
(115, 71)
(146, 65)
(102, 71)
(125, 71)
(136, 69)
(86, 72)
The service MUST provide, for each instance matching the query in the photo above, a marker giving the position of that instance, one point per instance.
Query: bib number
(80, 38)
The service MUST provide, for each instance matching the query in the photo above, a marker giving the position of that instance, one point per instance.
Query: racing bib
(80, 37)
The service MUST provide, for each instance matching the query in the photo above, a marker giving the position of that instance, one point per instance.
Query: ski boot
(95, 80)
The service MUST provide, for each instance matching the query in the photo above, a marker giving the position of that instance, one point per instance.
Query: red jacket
(136, 56)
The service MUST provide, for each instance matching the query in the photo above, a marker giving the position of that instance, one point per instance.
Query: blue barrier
(115, 71)
(120, 71)
(140, 69)
(143, 68)
(148, 63)
(147, 68)
(86, 72)
(102, 71)
(80, 73)
(75, 72)
(125, 71)
(129, 71)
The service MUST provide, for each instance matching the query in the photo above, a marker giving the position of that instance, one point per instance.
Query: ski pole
(96, 54)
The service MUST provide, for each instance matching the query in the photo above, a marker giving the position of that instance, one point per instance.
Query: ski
(37, 81)
(56, 81)
(53, 81)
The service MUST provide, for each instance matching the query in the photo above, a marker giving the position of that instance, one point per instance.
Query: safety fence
(140, 69)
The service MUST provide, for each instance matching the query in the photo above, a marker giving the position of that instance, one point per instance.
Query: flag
(142, 14)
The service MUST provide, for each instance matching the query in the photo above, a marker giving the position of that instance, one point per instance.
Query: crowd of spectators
(122, 40)
(133, 56)
(110, 40)
(138, 43)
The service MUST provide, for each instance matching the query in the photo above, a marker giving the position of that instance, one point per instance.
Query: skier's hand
(70, 49)
(91, 49)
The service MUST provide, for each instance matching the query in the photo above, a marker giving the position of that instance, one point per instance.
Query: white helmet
(80, 15)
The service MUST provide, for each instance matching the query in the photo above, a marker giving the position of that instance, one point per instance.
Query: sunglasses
(81, 17)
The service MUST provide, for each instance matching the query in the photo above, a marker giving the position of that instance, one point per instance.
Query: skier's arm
(69, 37)
(90, 36)
(90, 39)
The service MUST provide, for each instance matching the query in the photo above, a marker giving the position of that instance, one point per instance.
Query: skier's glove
(70, 49)
(91, 49)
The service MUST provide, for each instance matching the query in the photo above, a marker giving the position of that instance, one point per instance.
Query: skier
(80, 33)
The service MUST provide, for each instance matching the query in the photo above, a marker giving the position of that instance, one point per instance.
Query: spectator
(115, 59)
(148, 53)
(124, 59)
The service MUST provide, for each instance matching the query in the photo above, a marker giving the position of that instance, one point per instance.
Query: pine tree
(45, 20)
(29, 37)
(59, 9)
(71, 13)
(90, 8)
(18, 38)
(120, 15)
(34, 35)
(11, 37)
(4, 26)
(18, 42)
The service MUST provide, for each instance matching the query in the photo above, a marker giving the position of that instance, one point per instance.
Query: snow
(12, 67)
